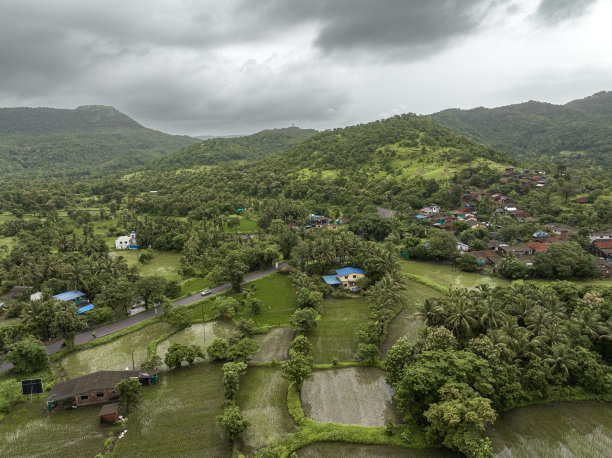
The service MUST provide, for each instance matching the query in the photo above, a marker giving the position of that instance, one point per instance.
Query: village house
(431, 209)
(602, 249)
(486, 257)
(317, 221)
(77, 298)
(127, 242)
(537, 246)
(96, 388)
(601, 235)
(561, 229)
(518, 250)
(347, 277)
(463, 247)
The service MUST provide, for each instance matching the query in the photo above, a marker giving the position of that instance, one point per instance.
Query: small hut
(109, 412)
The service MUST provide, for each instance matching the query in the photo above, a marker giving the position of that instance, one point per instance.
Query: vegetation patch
(273, 346)
(200, 334)
(178, 416)
(327, 449)
(30, 431)
(354, 395)
(444, 275)
(334, 336)
(263, 402)
(115, 355)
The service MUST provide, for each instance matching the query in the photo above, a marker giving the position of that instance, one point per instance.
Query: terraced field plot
(273, 345)
(352, 396)
(568, 429)
(201, 334)
(334, 336)
(341, 449)
(405, 324)
(115, 355)
(445, 275)
(178, 416)
(30, 431)
(263, 402)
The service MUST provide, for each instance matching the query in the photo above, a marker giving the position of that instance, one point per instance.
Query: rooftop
(349, 270)
(101, 380)
(69, 295)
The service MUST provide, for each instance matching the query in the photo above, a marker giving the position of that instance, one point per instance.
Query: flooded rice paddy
(263, 402)
(340, 449)
(405, 324)
(115, 355)
(445, 275)
(273, 345)
(352, 396)
(573, 429)
(200, 334)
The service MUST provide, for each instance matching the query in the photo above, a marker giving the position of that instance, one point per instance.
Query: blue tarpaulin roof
(69, 295)
(421, 216)
(331, 280)
(349, 270)
(85, 308)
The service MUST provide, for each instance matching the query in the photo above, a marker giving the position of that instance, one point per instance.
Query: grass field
(263, 402)
(178, 417)
(334, 336)
(273, 345)
(445, 275)
(342, 449)
(194, 285)
(247, 226)
(404, 324)
(279, 302)
(196, 334)
(163, 264)
(115, 355)
(352, 396)
(8, 242)
(30, 431)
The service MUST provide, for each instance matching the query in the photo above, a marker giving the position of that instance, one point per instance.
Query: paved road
(119, 325)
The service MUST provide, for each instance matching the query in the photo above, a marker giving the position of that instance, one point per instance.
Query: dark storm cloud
(382, 29)
(552, 12)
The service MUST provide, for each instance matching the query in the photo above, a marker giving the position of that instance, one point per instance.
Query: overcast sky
(238, 66)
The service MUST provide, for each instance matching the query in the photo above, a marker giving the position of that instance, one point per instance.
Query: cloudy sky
(238, 66)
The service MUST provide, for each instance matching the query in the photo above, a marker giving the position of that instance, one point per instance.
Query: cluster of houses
(77, 298)
(322, 222)
(601, 242)
(527, 178)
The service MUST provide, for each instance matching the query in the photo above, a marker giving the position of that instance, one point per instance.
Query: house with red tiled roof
(602, 249)
(537, 246)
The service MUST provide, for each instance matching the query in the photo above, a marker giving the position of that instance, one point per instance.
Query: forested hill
(408, 145)
(87, 140)
(577, 133)
(221, 150)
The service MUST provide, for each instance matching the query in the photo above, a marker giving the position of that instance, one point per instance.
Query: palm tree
(461, 317)
(537, 320)
(561, 360)
(553, 334)
(431, 312)
(386, 292)
(490, 316)
(589, 322)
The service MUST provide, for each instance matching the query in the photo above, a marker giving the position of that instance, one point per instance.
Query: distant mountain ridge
(220, 150)
(531, 129)
(91, 139)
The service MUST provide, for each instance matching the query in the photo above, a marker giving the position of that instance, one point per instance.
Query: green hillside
(219, 150)
(87, 140)
(579, 131)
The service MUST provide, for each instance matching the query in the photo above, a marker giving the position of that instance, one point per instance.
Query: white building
(126, 241)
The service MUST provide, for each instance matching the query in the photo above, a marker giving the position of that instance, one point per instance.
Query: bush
(217, 349)
(28, 355)
(232, 421)
(100, 314)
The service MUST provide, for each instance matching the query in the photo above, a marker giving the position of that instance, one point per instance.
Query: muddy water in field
(200, 334)
(273, 345)
(566, 429)
(115, 355)
(338, 449)
(352, 395)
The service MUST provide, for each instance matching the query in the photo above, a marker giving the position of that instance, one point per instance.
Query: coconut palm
(561, 360)
(490, 317)
(589, 322)
(553, 334)
(431, 312)
(461, 317)
(537, 320)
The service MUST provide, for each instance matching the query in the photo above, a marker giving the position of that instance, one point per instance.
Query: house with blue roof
(77, 298)
(347, 277)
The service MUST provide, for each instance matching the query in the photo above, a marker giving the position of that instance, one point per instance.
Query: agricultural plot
(328, 449)
(263, 402)
(334, 336)
(247, 226)
(570, 429)
(178, 417)
(278, 296)
(163, 264)
(29, 430)
(273, 345)
(405, 324)
(201, 334)
(445, 275)
(115, 355)
(352, 396)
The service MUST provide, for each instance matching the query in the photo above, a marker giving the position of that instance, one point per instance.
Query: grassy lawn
(273, 345)
(247, 226)
(193, 285)
(178, 417)
(279, 302)
(115, 355)
(445, 275)
(263, 402)
(334, 336)
(30, 431)
(404, 324)
(351, 396)
(163, 264)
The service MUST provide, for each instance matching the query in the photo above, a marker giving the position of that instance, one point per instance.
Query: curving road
(83, 337)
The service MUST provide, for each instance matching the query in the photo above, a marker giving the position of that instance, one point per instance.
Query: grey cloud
(552, 12)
